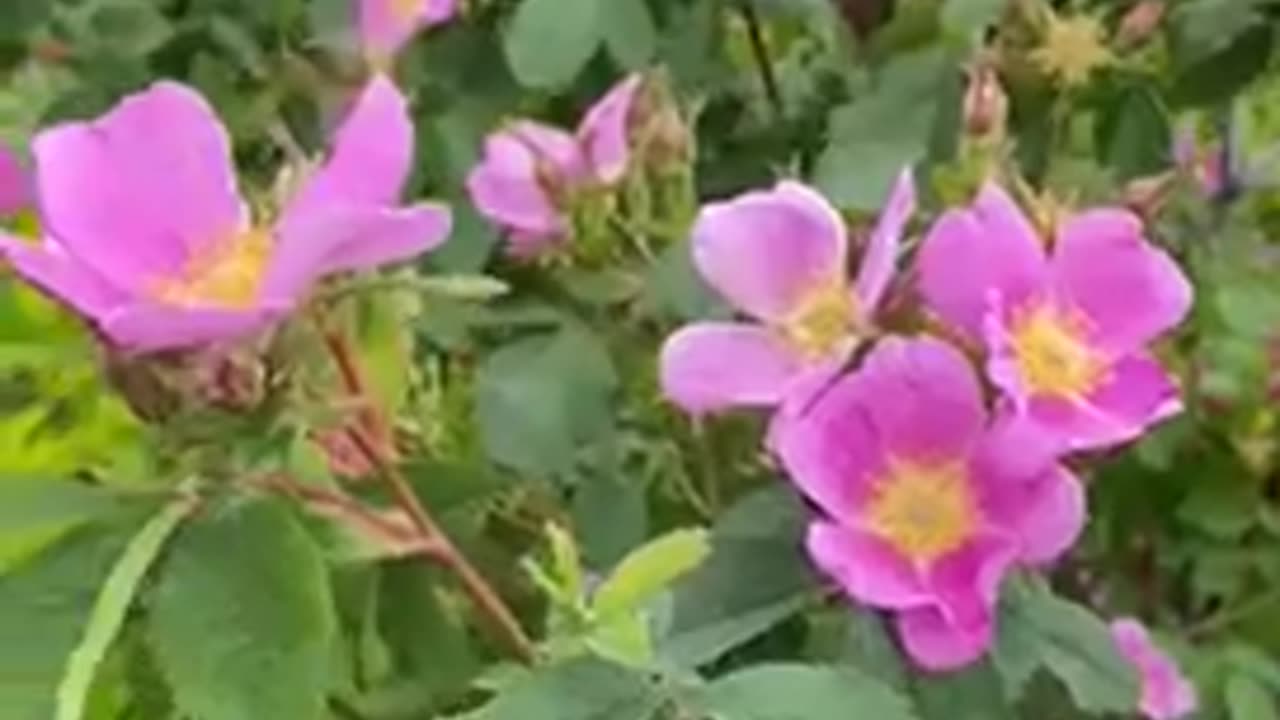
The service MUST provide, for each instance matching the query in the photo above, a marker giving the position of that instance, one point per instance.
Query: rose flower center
(226, 274)
(1052, 355)
(824, 319)
(924, 511)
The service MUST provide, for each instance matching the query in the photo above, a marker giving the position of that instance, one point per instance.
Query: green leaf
(869, 647)
(802, 692)
(580, 689)
(549, 41)
(610, 515)
(431, 649)
(1039, 629)
(878, 134)
(242, 621)
(542, 397)
(112, 605)
(1133, 133)
(629, 33)
(1248, 699)
(624, 639)
(44, 609)
(754, 578)
(649, 569)
(973, 693)
(967, 17)
(33, 504)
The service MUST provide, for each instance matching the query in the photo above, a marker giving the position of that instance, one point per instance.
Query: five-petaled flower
(1065, 330)
(147, 235)
(781, 257)
(386, 25)
(926, 503)
(1166, 694)
(530, 172)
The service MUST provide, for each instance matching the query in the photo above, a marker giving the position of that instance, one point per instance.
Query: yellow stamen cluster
(826, 318)
(226, 274)
(1052, 353)
(925, 511)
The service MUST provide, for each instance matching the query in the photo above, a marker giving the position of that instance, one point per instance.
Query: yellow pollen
(406, 11)
(225, 274)
(1052, 356)
(923, 511)
(822, 321)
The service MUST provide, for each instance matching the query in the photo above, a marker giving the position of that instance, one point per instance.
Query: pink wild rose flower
(779, 256)
(530, 171)
(386, 25)
(1066, 329)
(1166, 693)
(147, 235)
(926, 504)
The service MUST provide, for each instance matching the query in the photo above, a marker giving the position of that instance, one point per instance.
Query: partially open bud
(1140, 22)
(986, 106)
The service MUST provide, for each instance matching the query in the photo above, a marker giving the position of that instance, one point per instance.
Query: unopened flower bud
(986, 105)
(1141, 20)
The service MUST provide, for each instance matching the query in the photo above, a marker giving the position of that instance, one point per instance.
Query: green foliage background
(123, 597)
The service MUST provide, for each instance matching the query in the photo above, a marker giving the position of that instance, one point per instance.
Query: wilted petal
(971, 254)
(1166, 693)
(764, 251)
(881, 256)
(368, 161)
(866, 567)
(132, 193)
(61, 276)
(1129, 289)
(145, 327)
(605, 131)
(707, 367)
(354, 239)
(937, 645)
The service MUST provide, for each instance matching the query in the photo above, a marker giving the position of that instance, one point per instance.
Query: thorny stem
(760, 51)
(445, 552)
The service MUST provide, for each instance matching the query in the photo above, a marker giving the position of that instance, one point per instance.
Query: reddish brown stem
(373, 420)
(339, 505)
(482, 595)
